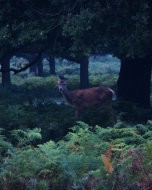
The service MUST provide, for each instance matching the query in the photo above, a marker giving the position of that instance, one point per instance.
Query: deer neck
(67, 95)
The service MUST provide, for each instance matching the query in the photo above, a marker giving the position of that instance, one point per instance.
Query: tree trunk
(51, 60)
(33, 69)
(134, 81)
(5, 66)
(40, 68)
(84, 75)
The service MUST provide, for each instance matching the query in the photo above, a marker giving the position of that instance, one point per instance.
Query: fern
(104, 157)
(50, 151)
(25, 137)
(4, 144)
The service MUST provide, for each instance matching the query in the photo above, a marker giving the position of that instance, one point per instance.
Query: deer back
(95, 96)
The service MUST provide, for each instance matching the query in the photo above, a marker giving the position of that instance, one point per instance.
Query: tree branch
(28, 65)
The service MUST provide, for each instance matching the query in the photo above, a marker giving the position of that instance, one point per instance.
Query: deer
(82, 98)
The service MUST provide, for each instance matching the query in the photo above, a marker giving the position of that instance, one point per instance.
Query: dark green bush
(132, 113)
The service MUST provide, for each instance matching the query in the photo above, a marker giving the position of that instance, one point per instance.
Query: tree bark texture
(134, 80)
(33, 69)
(5, 66)
(84, 75)
(40, 68)
(51, 60)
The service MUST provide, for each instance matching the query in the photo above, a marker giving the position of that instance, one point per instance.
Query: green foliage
(147, 159)
(25, 137)
(75, 161)
(4, 144)
(11, 115)
(39, 87)
(106, 64)
(132, 113)
(103, 115)
(80, 29)
(102, 27)
(36, 102)
(103, 80)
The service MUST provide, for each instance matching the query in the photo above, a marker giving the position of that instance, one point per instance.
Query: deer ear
(61, 77)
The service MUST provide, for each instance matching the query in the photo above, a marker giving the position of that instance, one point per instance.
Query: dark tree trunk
(51, 60)
(5, 66)
(37, 67)
(33, 69)
(134, 81)
(40, 68)
(84, 75)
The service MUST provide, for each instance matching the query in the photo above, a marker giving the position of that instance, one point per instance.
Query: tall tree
(128, 35)
(134, 80)
(84, 75)
(123, 28)
(51, 60)
(40, 67)
(33, 24)
(5, 66)
(24, 28)
(82, 28)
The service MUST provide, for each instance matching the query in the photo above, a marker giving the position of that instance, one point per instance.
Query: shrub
(132, 113)
(88, 157)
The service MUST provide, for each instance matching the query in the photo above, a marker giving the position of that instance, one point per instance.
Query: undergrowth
(87, 158)
(43, 147)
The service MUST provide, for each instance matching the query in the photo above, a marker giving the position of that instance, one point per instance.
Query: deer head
(62, 82)
(80, 99)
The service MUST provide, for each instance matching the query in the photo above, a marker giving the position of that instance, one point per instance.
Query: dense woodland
(43, 146)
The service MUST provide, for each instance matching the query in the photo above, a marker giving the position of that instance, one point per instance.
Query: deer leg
(78, 113)
(112, 112)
